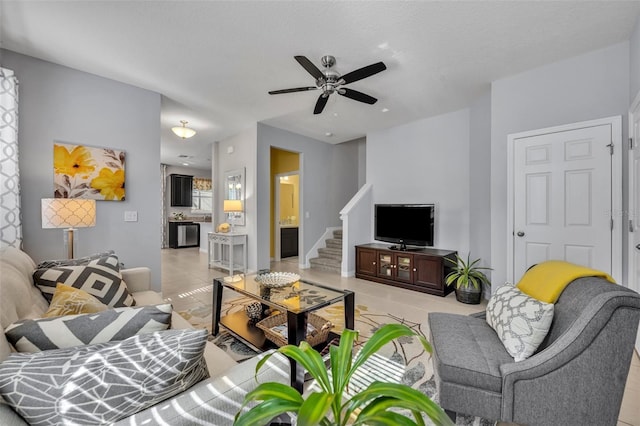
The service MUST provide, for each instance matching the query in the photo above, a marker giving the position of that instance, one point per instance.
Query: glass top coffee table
(296, 300)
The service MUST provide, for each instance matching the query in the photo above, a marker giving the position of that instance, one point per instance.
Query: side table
(217, 241)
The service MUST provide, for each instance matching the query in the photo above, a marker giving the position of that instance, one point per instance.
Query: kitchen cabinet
(181, 190)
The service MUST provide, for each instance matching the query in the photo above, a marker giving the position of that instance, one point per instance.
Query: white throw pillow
(520, 321)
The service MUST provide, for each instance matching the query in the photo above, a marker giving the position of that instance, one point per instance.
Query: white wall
(66, 105)
(590, 86)
(328, 180)
(426, 161)
(480, 179)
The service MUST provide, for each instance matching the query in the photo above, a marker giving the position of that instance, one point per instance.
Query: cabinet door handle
(374, 263)
(414, 269)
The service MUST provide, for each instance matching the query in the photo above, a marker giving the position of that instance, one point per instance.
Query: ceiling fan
(329, 81)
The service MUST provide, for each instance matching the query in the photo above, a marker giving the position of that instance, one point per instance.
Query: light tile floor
(186, 277)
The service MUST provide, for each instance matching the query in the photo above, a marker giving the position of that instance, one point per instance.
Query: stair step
(325, 264)
(333, 243)
(337, 234)
(331, 253)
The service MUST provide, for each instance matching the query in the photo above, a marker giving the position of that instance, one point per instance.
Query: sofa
(213, 400)
(576, 376)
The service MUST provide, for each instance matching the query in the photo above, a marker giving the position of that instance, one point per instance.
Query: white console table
(217, 241)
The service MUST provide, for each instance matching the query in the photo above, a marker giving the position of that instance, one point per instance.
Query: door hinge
(630, 225)
(612, 224)
(610, 148)
(631, 143)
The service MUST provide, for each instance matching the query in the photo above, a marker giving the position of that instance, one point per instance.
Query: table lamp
(230, 207)
(68, 213)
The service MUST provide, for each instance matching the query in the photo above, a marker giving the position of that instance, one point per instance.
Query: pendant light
(183, 131)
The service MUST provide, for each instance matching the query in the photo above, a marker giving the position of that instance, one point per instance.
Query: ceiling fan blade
(295, 89)
(357, 96)
(322, 101)
(308, 65)
(363, 72)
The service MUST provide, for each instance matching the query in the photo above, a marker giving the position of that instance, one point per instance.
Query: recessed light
(385, 109)
(335, 114)
(328, 134)
(185, 164)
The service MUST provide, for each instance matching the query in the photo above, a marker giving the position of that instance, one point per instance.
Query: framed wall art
(81, 171)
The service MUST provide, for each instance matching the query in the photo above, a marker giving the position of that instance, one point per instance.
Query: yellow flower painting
(81, 171)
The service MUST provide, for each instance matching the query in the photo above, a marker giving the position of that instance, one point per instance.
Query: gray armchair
(576, 377)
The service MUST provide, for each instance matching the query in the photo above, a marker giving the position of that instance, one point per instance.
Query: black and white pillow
(103, 383)
(86, 329)
(73, 262)
(520, 321)
(100, 278)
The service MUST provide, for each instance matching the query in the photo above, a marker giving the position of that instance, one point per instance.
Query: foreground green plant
(466, 274)
(372, 406)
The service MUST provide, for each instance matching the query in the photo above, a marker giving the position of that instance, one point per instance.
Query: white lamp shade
(232, 206)
(183, 132)
(68, 213)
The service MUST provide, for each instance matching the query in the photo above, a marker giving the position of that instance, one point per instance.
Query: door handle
(520, 234)
(638, 246)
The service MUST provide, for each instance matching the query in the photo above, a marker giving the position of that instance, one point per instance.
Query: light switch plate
(130, 216)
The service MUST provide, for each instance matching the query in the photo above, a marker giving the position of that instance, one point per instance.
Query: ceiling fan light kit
(329, 81)
(183, 131)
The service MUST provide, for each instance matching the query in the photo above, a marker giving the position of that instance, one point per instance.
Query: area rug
(406, 351)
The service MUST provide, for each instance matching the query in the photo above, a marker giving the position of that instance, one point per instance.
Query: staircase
(330, 257)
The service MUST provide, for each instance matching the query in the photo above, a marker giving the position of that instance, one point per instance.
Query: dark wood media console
(416, 269)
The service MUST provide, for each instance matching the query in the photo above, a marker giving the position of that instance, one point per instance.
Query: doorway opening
(286, 196)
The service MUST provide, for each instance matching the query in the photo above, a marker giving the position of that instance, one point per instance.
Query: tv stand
(417, 269)
(401, 247)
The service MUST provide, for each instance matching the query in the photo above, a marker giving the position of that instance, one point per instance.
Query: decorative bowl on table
(277, 279)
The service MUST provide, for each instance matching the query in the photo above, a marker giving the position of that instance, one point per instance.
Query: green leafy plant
(466, 274)
(330, 406)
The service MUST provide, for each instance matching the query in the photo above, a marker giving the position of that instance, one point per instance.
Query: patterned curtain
(10, 217)
(203, 184)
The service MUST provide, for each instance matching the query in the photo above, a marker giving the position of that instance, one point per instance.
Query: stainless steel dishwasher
(184, 234)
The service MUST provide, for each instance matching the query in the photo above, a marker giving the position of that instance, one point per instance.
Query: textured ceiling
(215, 61)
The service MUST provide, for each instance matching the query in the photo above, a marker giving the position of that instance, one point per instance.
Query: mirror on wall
(234, 193)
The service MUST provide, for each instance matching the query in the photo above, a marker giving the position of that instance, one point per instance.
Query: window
(202, 195)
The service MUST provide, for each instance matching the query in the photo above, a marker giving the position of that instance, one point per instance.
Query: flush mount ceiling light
(183, 131)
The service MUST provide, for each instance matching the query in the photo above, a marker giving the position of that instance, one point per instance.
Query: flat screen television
(404, 224)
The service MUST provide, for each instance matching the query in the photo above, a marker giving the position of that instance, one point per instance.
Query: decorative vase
(468, 295)
(254, 311)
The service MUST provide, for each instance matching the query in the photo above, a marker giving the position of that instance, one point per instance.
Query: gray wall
(634, 62)
(590, 86)
(66, 105)
(426, 161)
(480, 179)
(329, 178)
(243, 156)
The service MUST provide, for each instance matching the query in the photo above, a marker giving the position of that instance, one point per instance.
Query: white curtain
(10, 217)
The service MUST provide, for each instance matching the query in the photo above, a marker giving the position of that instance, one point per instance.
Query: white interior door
(634, 200)
(563, 197)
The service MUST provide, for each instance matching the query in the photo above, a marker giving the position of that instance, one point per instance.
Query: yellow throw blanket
(546, 281)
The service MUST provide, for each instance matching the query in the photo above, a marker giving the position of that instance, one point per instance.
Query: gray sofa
(212, 401)
(576, 377)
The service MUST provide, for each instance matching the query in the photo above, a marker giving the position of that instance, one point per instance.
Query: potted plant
(373, 405)
(468, 279)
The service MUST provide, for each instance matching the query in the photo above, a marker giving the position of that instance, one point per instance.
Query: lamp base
(70, 242)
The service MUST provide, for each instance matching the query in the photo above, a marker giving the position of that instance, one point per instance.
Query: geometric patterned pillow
(103, 383)
(73, 262)
(520, 321)
(100, 278)
(72, 301)
(86, 329)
